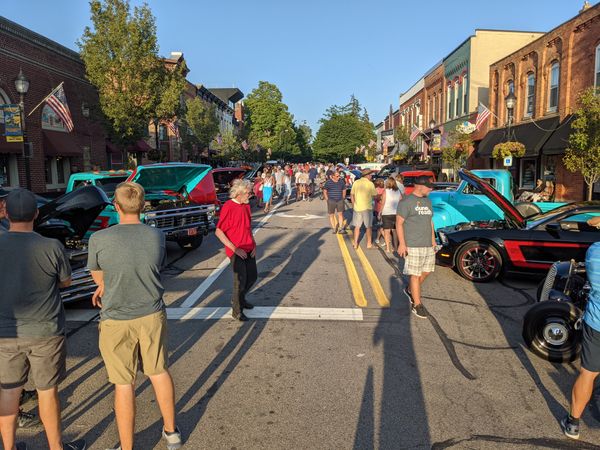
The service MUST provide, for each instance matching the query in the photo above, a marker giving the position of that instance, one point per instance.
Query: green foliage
(510, 148)
(583, 153)
(402, 139)
(230, 147)
(121, 58)
(343, 128)
(199, 125)
(456, 154)
(304, 140)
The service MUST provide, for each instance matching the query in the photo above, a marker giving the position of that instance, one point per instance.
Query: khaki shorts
(41, 360)
(124, 342)
(360, 218)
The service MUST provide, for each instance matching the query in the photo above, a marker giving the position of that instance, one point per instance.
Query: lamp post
(22, 86)
(432, 124)
(510, 101)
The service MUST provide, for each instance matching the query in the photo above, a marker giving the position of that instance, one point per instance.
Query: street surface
(333, 359)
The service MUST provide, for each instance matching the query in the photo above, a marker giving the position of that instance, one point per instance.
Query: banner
(12, 123)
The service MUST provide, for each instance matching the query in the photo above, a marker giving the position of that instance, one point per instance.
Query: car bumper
(181, 233)
(445, 257)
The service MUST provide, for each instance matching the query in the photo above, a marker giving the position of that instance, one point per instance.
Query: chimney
(586, 5)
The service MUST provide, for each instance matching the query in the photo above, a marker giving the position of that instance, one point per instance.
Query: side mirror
(553, 227)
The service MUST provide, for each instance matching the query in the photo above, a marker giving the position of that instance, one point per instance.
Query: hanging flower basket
(511, 148)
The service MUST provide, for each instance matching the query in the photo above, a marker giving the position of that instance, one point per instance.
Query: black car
(482, 250)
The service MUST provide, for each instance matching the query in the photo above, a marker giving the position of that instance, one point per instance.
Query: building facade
(411, 114)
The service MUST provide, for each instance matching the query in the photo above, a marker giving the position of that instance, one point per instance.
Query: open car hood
(511, 214)
(180, 178)
(78, 209)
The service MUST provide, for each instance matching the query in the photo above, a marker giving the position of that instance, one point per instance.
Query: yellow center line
(355, 284)
(373, 280)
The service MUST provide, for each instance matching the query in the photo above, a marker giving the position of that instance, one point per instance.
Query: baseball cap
(21, 205)
(424, 180)
(365, 172)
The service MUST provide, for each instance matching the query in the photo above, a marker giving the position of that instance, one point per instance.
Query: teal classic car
(466, 204)
(180, 199)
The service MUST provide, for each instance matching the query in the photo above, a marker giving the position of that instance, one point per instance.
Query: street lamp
(510, 100)
(22, 86)
(432, 124)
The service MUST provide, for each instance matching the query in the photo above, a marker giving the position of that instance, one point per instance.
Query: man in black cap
(416, 240)
(32, 321)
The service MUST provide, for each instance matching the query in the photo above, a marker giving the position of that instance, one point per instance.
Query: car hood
(170, 177)
(78, 208)
(511, 214)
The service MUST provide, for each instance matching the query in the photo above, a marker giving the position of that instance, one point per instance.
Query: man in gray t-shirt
(416, 240)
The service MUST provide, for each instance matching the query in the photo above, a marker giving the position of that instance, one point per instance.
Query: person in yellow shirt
(362, 193)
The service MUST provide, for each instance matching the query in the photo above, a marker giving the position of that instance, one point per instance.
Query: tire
(191, 242)
(478, 262)
(549, 331)
(528, 209)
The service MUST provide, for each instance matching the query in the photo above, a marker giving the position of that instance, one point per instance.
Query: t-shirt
(417, 213)
(312, 173)
(363, 190)
(392, 197)
(130, 257)
(592, 266)
(379, 200)
(235, 220)
(279, 177)
(335, 190)
(302, 178)
(31, 266)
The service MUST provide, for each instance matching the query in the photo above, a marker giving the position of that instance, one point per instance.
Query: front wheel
(190, 242)
(478, 262)
(550, 331)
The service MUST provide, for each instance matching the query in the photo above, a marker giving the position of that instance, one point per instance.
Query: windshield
(165, 178)
(108, 185)
(534, 221)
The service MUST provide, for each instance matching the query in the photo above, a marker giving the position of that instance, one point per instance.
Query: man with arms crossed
(416, 240)
(125, 262)
(32, 321)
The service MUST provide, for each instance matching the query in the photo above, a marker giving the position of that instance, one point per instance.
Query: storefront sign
(466, 127)
(12, 123)
(508, 161)
(436, 142)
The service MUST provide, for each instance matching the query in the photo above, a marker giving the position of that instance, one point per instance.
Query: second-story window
(597, 73)
(554, 82)
(450, 112)
(465, 87)
(458, 97)
(530, 97)
(435, 108)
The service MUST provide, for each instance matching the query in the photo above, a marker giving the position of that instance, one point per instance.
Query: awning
(9, 147)
(558, 142)
(57, 143)
(112, 148)
(140, 146)
(532, 135)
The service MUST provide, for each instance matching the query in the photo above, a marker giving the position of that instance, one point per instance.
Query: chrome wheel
(556, 333)
(479, 263)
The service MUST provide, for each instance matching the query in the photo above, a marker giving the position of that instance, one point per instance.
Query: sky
(318, 52)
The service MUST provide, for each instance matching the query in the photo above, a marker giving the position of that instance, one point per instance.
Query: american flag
(372, 143)
(174, 129)
(414, 132)
(482, 115)
(58, 102)
(244, 145)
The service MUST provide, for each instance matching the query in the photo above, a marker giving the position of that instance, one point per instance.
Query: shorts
(124, 342)
(590, 348)
(362, 217)
(333, 205)
(389, 221)
(41, 360)
(419, 260)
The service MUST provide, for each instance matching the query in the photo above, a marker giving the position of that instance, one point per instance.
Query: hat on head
(365, 172)
(424, 180)
(21, 205)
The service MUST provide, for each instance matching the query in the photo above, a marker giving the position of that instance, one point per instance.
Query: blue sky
(317, 52)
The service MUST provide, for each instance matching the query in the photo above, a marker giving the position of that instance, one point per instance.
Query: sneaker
(173, 439)
(419, 311)
(569, 428)
(75, 445)
(406, 291)
(376, 241)
(27, 420)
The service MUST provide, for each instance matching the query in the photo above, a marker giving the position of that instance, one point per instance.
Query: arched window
(530, 95)
(458, 96)
(510, 87)
(554, 83)
(597, 73)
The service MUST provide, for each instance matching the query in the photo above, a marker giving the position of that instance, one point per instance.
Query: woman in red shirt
(234, 230)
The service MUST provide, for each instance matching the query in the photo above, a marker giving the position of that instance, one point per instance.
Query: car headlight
(443, 238)
(151, 223)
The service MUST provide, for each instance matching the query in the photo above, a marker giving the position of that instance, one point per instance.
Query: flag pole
(45, 98)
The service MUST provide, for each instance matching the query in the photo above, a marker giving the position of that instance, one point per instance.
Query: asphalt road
(336, 361)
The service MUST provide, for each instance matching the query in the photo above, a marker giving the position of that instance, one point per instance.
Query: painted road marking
(259, 312)
(355, 284)
(373, 280)
(207, 283)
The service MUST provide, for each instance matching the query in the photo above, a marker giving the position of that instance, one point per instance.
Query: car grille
(548, 283)
(180, 220)
(173, 219)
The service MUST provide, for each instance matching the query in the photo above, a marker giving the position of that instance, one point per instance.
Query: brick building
(434, 87)
(545, 76)
(411, 113)
(56, 152)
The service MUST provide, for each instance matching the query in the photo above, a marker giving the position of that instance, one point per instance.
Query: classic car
(107, 180)
(466, 203)
(68, 218)
(181, 201)
(223, 177)
(481, 250)
(409, 178)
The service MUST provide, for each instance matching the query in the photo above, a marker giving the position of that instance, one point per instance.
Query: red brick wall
(434, 87)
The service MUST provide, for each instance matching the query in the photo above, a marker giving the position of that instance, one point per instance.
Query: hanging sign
(12, 123)
(508, 161)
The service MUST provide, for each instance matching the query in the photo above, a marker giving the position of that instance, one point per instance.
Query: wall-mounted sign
(12, 123)
(466, 127)
(508, 161)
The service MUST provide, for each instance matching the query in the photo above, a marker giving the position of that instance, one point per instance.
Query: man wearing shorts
(32, 321)
(334, 191)
(362, 193)
(590, 347)
(416, 240)
(125, 262)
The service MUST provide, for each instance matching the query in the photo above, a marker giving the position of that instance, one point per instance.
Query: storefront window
(5, 170)
(58, 170)
(528, 173)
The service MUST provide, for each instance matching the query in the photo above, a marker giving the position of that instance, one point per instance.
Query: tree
(121, 58)
(199, 124)
(457, 152)
(405, 145)
(342, 130)
(230, 147)
(304, 140)
(583, 153)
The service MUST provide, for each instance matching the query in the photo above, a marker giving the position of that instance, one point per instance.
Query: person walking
(297, 174)
(303, 184)
(590, 347)
(390, 199)
(287, 183)
(234, 230)
(361, 194)
(416, 240)
(400, 184)
(312, 176)
(125, 262)
(377, 208)
(257, 189)
(267, 190)
(334, 191)
(279, 181)
(32, 321)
